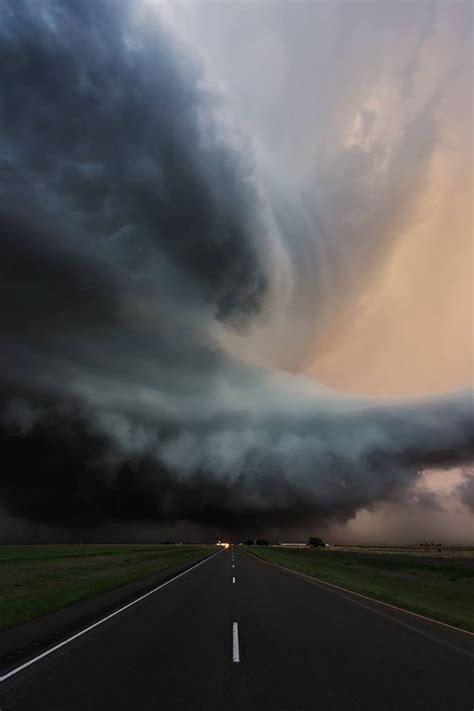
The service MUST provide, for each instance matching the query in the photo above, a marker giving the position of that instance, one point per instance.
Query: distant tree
(249, 542)
(314, 542)
(262, 542)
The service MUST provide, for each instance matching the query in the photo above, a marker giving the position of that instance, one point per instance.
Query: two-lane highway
(235, 633)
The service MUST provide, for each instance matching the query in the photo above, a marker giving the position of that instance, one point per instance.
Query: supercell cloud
(141, 246)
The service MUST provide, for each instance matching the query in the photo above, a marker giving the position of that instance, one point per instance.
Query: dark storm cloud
(105, 129)
(64, 467)
(129, 227)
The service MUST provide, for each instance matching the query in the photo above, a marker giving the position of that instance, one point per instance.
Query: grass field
(37, 579)
(443, 590)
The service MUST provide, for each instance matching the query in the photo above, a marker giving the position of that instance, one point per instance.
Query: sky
(236, 270)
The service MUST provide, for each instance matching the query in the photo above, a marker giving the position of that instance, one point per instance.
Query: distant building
(294, 545)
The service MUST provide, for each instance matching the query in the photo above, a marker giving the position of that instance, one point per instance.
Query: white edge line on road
(235, 643)
(433, 638)
(233, 580)
(47, 652)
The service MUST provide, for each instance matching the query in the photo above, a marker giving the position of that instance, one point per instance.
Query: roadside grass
(37, 579)
(442, 592)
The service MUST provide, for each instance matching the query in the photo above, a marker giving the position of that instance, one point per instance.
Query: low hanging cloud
(135, 228)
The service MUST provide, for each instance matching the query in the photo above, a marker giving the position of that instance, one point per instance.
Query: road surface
(237, 634)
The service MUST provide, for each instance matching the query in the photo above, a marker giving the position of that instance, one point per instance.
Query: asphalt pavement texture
(300, 646)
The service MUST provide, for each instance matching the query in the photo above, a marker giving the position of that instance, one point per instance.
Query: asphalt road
(270, 641)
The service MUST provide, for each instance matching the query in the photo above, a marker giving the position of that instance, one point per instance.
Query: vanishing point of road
(234, 633)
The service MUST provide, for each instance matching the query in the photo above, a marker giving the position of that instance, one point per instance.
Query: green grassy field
(441, 590)
(37, 579)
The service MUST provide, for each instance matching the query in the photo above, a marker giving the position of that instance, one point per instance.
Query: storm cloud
(135, 231)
